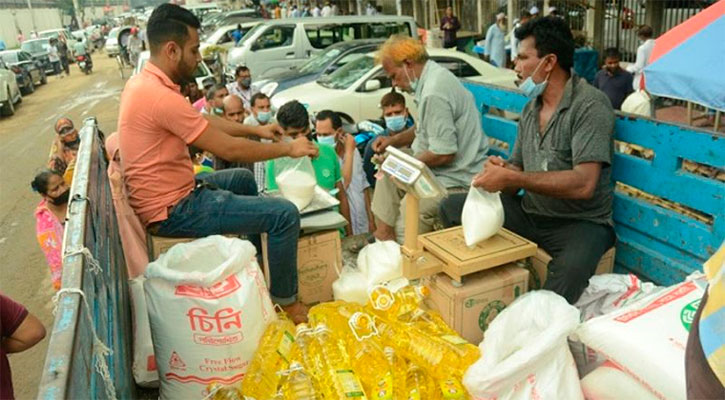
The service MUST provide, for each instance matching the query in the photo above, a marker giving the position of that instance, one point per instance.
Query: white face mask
(531, 89)
(328, 140)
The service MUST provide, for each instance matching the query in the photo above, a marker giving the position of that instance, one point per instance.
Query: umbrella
(688, 61)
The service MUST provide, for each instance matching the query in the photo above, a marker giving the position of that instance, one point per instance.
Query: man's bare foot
(297, 312)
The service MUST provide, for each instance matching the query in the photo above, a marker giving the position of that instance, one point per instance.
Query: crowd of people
(231, 138)
(194, 161)
(310, 9)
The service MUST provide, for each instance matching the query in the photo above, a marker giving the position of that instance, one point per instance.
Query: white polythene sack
(482, 215)
(647, 339)
(606, 293)
(351, 286)
(380, 262)
(525, 353)
(144, 368)
(208, 307)
(608, 382)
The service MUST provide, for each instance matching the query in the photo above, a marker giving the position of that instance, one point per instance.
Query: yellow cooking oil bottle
(219, 391)
(272, 355)
(368, 359)
(399, 368)
(419, 385)
(297, 383)
(338, 380)
(334, 315)
(432, 323)
(395, 303)
(306, 356)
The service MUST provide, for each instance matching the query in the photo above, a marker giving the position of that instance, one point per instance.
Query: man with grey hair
(215, 99)
(448, 137)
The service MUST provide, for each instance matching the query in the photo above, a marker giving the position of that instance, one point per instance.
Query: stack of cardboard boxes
(477, 283)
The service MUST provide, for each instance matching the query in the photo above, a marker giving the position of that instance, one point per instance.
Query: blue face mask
(533, 90)
(328, 140)
(395, 123)
(264, 116)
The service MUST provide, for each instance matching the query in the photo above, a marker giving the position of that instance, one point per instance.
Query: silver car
(9, 91)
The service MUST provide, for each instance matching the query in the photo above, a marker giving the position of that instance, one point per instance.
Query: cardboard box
(319, 260)
(158, 245)
(537, 266)
(459, 260)
(469, 309)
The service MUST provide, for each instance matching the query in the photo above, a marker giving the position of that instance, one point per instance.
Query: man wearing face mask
(215, 100)
(261, 115)
(448, 137)
(64, 149)
(242, 86)
(155, 127)
(397, 120)
(562, 159)
(615, 82)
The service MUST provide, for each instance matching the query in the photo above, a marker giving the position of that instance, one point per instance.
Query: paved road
(26, 138)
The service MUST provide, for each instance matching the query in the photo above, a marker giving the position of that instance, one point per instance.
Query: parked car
(70, 40)
(28, 71)
(221, 38)
(276, 45)
(211, 23)
(9, 91)
(39, 49)
(357, 87)
(116, 37)
(202, 75)
(323, 63)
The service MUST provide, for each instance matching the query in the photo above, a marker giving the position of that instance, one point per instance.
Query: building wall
(12, 19)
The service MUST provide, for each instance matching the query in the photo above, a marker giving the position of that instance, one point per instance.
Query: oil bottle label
(457, 340)
(414, 394)
(384, 388)
(285, 345)
(350, 384)
(451, 390)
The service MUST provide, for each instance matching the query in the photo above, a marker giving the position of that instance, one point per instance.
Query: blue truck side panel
(653, 242)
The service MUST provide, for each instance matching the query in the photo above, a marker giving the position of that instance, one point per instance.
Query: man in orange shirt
(156, 124)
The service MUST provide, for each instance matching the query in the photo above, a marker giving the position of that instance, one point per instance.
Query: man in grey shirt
(448, 137)
(562, 159)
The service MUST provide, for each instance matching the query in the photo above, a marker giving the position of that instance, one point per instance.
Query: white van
(282, 43)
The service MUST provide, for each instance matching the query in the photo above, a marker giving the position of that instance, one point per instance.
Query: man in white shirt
(327, 10)
(261, 115)
(316, 11)
(524, 18)
(644, 51)
(370, 10)
(495, 46)
(242, 86)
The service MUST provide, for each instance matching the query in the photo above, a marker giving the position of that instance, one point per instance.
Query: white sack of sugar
(296, 180)
(482, 215)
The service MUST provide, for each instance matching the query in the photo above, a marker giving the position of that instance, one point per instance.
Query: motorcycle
(85, 63)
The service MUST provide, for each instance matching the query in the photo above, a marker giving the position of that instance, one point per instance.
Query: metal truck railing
(93, 310)
(668, 219)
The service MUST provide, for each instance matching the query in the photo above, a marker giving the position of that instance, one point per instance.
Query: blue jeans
(226, 202)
